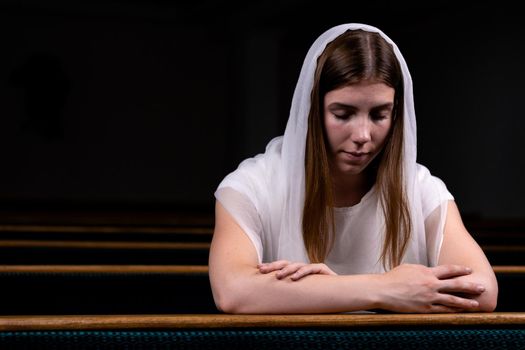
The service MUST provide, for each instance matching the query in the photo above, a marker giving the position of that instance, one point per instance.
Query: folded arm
(239, 286)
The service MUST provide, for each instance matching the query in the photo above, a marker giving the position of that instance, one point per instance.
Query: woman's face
(358, 119)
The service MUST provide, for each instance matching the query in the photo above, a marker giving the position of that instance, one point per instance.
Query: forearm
(253, 292)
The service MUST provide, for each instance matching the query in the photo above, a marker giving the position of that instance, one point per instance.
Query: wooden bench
(503, 241)
(171, 244)
(108, 289)
(342, 331)
(58, 244)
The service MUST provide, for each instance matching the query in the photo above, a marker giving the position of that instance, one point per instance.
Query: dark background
(147, 105)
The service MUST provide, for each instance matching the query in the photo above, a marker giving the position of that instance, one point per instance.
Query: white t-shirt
(359, 229)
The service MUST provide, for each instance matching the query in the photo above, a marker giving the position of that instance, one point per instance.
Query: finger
(456, 302)
(312, 269)
(303, 271)
(272, 266)
(289, 270)
(449, 271)
(457, 286)
(322, 269)
(326, 270)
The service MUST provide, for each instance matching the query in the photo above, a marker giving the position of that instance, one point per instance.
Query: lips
(358, 154)
(355, 156)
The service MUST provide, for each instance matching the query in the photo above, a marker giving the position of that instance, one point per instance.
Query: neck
(348, 190)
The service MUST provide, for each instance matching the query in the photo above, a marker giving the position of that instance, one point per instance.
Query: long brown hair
(352, 57)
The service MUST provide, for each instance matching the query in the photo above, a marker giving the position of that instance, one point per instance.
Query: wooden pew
(511, 283)
(356, 320)
(105, 289)
(170, 245)
(73, 245)
(503, 241)
(48, 214)
(341, 331)
(115, 267)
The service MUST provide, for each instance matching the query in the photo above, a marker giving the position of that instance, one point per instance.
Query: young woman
(336, 215)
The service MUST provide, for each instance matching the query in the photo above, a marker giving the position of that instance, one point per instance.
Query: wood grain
(164, 269)
(221, 321)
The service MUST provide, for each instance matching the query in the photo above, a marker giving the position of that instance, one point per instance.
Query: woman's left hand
(296, 271)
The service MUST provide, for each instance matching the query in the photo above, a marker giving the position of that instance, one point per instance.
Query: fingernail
(474, 303)
(469, 270)
(481, 288)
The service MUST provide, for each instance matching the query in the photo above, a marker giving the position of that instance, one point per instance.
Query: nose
(361, 131)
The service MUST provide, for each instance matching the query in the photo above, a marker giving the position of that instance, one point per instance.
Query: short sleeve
(434, 203)
(244, 213)
(433, 190)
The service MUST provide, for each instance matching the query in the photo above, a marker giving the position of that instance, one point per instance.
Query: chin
(353, 170)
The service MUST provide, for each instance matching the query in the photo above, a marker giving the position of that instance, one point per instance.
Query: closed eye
(381, 112)
(380, 116)
(341, 116)
(341, 111)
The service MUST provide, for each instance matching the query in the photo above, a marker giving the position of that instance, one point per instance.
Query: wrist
(365, 291)
(376, 292)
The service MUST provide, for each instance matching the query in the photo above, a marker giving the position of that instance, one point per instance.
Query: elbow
(229, 307)
(489, 303)
(229, 299)
(226, 303)
(489, 300)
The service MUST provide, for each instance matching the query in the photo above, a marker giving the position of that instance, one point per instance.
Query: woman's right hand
(295, 271)
(421, 289)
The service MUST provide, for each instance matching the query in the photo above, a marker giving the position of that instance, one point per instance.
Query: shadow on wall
(45, 87)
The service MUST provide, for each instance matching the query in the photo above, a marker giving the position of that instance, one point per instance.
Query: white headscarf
(274, 182)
